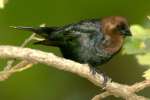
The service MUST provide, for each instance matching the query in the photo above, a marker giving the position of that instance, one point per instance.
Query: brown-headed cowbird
(93, 41)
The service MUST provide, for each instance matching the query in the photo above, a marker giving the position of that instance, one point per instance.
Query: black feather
(42, 31)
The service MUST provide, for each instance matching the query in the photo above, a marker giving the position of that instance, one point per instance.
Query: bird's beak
(126, 32)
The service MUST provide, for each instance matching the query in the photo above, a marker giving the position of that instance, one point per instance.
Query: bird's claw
(93, 70)
(106, 80)
(105, 77)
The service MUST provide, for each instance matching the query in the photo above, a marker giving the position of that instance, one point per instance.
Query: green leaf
(144, 59)
(139, 43)
(146, 74)
(2, 3)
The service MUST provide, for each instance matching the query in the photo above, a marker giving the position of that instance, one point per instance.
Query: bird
(90, 41)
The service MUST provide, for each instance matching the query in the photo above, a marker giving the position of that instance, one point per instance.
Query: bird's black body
(83, 42)
(90, 41)
(79, 42)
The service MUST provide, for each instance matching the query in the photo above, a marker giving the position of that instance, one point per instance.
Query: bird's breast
(113, 44)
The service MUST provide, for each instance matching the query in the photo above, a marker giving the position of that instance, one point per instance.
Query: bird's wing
(57, 35)
(75, 30)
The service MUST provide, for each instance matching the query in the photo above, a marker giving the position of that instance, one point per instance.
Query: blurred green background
(42, 82)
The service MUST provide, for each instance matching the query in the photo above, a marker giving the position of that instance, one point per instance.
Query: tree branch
(101, 96)
(9, 69)
(83, 70)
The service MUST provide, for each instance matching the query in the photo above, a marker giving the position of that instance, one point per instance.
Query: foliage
(2, 3)
(139, 45)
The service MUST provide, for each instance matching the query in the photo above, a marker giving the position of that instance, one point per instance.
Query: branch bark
(113, 88)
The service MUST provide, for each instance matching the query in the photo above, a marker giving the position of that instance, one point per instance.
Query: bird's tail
(42, 31)
(48, 33)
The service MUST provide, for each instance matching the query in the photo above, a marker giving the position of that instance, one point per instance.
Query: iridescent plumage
(92, 41)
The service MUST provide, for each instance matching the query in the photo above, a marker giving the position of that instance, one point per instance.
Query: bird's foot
(107, 79)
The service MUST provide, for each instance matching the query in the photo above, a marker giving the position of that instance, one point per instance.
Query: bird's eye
(121, 27)
(124, 30)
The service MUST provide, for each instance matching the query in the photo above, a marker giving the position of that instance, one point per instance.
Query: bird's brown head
(115, 25)
(114, 28)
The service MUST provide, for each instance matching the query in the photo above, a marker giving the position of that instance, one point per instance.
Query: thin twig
(28, 40)
(140, 86)
(23, 65)
(11, 62)
(101, 96)
(10, 68)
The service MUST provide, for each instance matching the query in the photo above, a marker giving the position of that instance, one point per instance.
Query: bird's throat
(114, 44)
